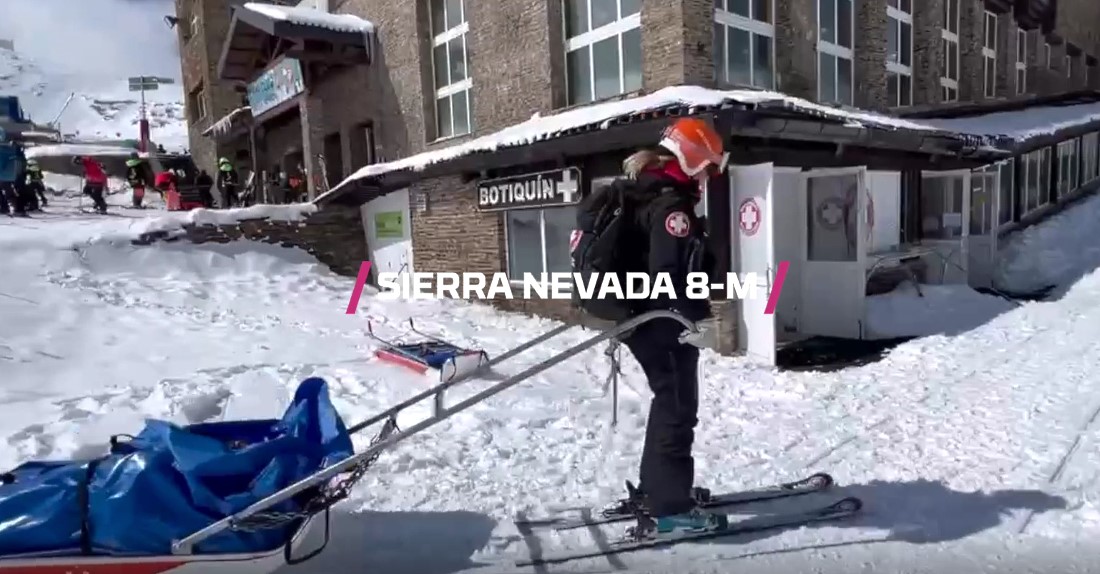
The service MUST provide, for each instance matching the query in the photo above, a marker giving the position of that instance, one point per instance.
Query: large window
(196, 104)
(744, 43)
(949, 81)
(1069, 65)
(538, 240)
(1067, 167)
(1035, 179)
(603, 48)
(1090, 156)
(899, 54)
(941, 206)
(989, 54)
(1007, 185)
(1021, 61)
(835, 31)
(452, 79)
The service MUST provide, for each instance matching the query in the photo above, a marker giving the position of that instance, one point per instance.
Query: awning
(636, 121)
(315, 35)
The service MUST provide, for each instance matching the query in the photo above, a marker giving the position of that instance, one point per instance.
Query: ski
(815, 483)
(841, 509)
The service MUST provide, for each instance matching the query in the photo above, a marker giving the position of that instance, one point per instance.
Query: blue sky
(114, 37)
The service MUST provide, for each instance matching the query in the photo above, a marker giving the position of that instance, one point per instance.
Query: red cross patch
(574, 239)
(677, 224)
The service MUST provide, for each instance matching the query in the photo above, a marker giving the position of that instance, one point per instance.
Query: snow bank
(1056, 252)
(174, 221)
(55, 150)
(944, 309)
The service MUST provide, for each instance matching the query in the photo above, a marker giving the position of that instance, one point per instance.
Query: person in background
(228, 182)
(205, 183)
(95, 181)
(36, 185)
(166, 185)
(137, 175)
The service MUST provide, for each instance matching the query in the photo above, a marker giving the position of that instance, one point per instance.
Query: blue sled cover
(169, 481)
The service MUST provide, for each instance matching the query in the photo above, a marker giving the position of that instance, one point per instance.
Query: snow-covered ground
(102, 108)
(972, 451)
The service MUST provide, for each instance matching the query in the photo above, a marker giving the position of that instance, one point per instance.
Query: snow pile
(172, 223)
(1053, 253)
(307, 16)
(69, 149)
(934, 310)
(102, 108)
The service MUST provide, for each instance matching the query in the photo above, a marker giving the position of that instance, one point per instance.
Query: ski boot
(635, 501)
(695, 521)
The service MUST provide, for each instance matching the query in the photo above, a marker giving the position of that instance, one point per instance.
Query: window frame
(1090, 158)
(1021, 61)
(1068, 155)
(542, 238)
(452, 89)
(949, 85)
(616, 29)
(837, 51)
(989, 53)
(896, 18)
(755, 27)
(1068, 62)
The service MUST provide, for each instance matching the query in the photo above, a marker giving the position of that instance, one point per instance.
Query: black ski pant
(229, 197)
(667, 472)
(37, 191)
(5, 201)
(15, 199)
(96, 193)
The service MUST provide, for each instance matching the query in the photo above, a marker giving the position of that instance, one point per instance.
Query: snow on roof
(540, 128)
(312, 17)
(1022, 125)
(56, 150)
(222, 126)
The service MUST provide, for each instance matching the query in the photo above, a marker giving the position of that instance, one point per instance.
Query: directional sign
(147, 83)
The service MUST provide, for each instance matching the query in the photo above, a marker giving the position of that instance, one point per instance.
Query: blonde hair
(641, 160)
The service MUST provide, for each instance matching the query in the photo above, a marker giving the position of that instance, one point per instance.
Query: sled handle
(186, 545)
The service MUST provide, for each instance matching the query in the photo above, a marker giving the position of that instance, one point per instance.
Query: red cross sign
(677, 224)
(750, 216)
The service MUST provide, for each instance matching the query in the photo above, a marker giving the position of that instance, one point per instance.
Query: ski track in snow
(956, 444)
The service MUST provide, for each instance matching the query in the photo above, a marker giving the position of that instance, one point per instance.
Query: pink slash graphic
(360, 281)
(773, 299)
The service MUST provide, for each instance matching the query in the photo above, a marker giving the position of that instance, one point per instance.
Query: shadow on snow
(398, 543)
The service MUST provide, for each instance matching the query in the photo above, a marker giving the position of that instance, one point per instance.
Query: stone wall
(334, 235)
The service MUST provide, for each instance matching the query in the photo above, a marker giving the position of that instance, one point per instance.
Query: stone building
(439, 73)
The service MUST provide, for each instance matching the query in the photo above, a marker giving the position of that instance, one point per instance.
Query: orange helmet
(697, 145)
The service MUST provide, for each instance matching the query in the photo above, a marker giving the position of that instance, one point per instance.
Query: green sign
(389, 225)
(276, 85)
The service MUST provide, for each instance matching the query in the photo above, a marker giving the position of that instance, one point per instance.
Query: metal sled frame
(439, 414)
(464, 361)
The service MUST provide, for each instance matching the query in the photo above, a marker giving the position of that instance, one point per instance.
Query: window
(899, 52)
(1007, 185)
(989, 55)
(1035, 179)
(1090, 156)
(1067, 167)
(983, 189)
(1049, 54)
(744, 43)
(949, 35)
(538, 240)
(194, 26)
(603, 48)
(1069, 66)
(835, 25)
(941, 206)
(1021, 61)
(196, 104)
(452, 79)
(832, 226)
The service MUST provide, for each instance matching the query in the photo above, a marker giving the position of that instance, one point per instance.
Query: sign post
(143, 84)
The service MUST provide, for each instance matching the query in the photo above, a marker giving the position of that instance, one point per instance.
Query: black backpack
(604, 224)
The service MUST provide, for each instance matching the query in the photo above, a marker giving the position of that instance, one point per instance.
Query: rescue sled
(235, 497)
(429, 353)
